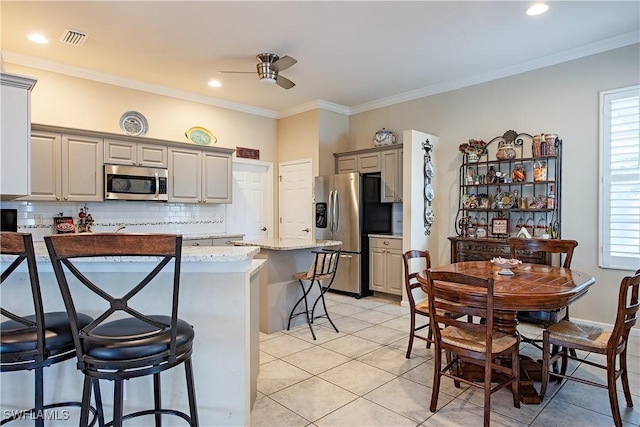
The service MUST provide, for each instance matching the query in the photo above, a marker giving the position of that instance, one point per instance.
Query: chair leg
(293, 314)
(412, 333)
(157, 399)
(191, 393)
(488, 373)
(98, 399)
(625, 378)
(86, 401)
(611, 387)
(545, 365)
(324, 305)
(39, 398)
(435, 390)
(429, 335)
(515, 385)
(117, 402)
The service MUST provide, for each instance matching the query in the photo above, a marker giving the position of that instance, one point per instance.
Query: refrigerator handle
(330, 211)
(336, 208)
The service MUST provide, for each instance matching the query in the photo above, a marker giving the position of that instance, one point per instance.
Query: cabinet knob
(57, 197)
(66, 198)
(195, 244)
(385, 243)
(263, 229)
(306, 230)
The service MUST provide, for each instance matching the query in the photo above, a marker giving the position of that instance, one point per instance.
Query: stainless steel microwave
(135, 183)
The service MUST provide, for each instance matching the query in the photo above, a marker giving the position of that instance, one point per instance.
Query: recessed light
(537, 9)
(38, 38)
(215, 83)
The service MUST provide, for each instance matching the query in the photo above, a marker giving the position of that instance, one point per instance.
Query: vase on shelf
(506, 151)
(473, 157)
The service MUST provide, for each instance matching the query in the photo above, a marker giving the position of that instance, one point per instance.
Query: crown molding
(318, 104)
(623, 40)
(29, 61)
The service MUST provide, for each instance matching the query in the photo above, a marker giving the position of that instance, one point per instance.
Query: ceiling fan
(269, 66)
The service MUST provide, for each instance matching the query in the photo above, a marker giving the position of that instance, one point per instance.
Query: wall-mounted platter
(201, 136)
(133, 123)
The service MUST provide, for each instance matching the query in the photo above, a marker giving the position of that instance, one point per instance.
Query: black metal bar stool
(323, 268)
(35, 340)
(126, 341)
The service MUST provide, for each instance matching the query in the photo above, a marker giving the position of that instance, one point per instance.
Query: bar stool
(35, 340)
(323, 268)
(126, 341)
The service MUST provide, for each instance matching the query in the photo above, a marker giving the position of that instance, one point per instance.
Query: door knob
(306, 230)
(263, 229)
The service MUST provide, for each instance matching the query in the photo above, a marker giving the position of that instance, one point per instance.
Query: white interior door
(296, 199)
(251, 212)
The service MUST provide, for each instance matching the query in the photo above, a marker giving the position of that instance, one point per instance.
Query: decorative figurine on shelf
(464, 225)
(491, 176)
(85, 220)
(473, 148)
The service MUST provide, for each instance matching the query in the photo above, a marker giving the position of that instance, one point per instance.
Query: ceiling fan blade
(236, 72)
(284, 82)
(283, 63)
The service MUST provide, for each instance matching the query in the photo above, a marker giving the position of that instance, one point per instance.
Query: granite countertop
(189, 254)
(287, 244)
(210, 236)
(386, 235)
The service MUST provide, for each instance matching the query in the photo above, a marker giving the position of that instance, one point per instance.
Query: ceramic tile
(264, 357)
(276, 375)
(284, 345)
(423, 374)
(357, 377)
(268, 413)
(380, 334)
(373, 316)
(352, 346)
(395, 309)
(562, 413)
(419, 347)
(324, 332)
(362, 412)
(313, 398)
(403, 323)
(343, 309)
(316, 360)
(349, 325)
(391, 360)
(459, 412)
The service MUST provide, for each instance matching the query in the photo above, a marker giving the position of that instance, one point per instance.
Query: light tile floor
(360, 377)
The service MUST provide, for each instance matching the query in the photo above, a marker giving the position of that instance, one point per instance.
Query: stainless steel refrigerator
(347, 207)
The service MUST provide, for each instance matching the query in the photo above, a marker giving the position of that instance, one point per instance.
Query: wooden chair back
(415, 261)
(627, 315)
(547, 246)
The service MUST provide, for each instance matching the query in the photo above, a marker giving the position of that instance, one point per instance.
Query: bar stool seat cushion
(119, 346)
(15, 337)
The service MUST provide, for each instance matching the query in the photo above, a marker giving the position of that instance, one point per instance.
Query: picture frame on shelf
(500, 226)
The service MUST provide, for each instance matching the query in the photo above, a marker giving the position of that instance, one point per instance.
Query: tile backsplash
(137, 217)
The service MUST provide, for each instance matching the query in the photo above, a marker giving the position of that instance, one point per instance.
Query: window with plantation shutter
(619, 227)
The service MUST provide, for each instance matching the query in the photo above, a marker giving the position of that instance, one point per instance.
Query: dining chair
(416, 261)
(30, 337)
(321, 272)
(126, 340)
(613, 345)
(467, 342)
(548, 247)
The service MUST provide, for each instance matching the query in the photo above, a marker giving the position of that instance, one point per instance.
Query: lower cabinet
(215, 241)
(385, 265)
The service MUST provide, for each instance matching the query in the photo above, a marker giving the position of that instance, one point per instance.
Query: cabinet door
(216, 178)
(368, 163)
(119, 152)
(45, 174)
(377, 269)
(82, 169)
(185, 169)
(389, 176)
(152, 155)
(197, 242)
(395, 273)
(347, 164)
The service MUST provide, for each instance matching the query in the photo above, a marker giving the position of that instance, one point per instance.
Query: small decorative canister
(384, 137)
(505, 151)
(539, 171)
(550, 144)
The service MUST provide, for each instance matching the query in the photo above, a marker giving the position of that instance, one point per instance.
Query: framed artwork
(500, 226)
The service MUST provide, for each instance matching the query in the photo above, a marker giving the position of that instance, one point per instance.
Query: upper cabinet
(363, 163)
(135, 153)
(391, 169)
(65, 167)
(198, 176)
(15, 109)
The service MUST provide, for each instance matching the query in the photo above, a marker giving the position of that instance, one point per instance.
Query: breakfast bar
(219, 297)
(278, 290)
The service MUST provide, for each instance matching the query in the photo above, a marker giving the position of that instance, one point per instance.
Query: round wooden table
(533, 287)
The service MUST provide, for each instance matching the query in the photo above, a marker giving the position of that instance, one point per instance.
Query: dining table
(531, 287)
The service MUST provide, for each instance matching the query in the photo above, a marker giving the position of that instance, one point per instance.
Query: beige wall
(561, 99)
(67, 101)
(334, 138)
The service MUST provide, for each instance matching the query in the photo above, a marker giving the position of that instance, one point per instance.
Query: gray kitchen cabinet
(66, 167)
(347, 164)
(391, 176)
(135, 153)
(199, 176)
(15, 110)
(214, 241)
(385, 265)
(363, 163)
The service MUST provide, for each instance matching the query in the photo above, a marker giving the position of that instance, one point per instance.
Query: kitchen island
(219, 297)
(278, 290)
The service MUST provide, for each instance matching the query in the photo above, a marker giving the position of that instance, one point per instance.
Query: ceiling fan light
(269, 81)
(537, 9)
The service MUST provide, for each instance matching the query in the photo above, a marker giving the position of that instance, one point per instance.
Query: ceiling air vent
(73, 38)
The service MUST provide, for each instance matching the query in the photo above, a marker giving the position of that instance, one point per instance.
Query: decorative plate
(505, 200)
(201, 136)
(428, 192)
(428, 215)
(133, 123)
(428, 169)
